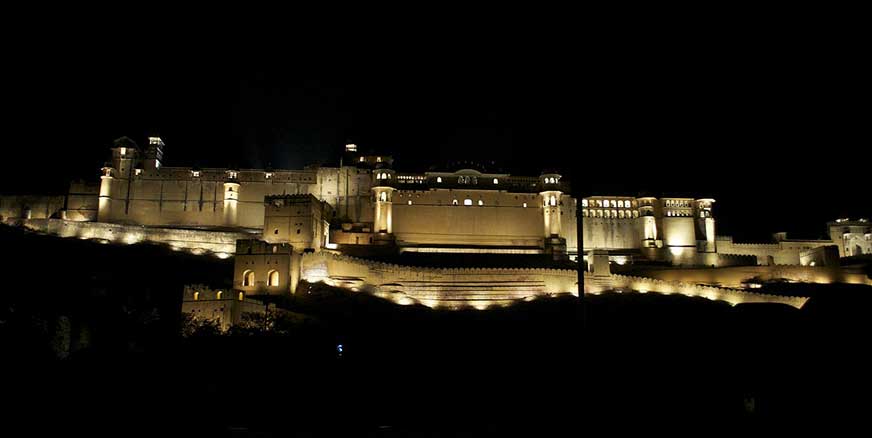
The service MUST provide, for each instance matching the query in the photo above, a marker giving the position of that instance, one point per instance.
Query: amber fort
(450, 237)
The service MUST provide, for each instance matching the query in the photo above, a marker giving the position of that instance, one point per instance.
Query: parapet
(257, 246)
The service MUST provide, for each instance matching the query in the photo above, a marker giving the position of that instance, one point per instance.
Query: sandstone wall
(596, 284)
(437, 287)
(197, 241)
(31, 206)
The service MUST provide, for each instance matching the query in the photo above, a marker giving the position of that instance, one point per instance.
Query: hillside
(529, 368)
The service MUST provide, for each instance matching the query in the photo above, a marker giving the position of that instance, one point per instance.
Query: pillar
(104, 206)
(383, 209)
(551, 210)
(231, 201)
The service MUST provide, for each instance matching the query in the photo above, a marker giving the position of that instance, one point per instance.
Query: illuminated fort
(337, 224)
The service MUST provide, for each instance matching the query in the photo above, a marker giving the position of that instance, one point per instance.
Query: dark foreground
(92, 343)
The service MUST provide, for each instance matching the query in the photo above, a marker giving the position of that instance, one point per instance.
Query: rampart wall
(735, 276)
(222, 243)
(437, 287)
(597, 284)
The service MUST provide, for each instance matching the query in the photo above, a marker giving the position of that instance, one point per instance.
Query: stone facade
(853, 237)
(224, 307)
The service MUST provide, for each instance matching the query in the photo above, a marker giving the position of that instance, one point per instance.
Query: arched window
(467, 201)
(525, 205)
(383, 196)
(248, 278)
(496, 181)
(553, 200)
(218, 295)
(241, 296)
(439, 179)
(480, 202)
(410, 202)
(621, 214)
(196, 296)
(454, 202)
(272, 278)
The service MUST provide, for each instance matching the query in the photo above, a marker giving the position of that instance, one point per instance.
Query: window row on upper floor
(613, 203)
(613, 214)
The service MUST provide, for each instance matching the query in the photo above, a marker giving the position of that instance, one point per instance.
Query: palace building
(350, 225)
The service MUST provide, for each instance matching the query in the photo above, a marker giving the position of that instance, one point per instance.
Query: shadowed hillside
(528, 369)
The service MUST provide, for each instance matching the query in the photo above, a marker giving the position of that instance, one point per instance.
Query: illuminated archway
(272, 278)
(248, 278)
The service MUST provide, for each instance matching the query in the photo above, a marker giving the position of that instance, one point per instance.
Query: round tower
(104, 206)
(231, 199)
(648, 220)
(383, 191)
(551, 203)
(551, 194)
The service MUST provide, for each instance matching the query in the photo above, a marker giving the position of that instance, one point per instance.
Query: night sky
(778, 135)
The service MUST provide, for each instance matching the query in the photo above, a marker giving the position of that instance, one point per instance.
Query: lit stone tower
(552, 205)
(104, 206)
(383, 191)
(154, 153)
(124, 157)
(231, 199)
(705, 226)
(648, 220)
(116, 177)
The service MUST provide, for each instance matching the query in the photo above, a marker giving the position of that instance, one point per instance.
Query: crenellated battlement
(645, 284)
(438, 287)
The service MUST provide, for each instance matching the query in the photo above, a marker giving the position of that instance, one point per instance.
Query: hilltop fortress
(334, 224)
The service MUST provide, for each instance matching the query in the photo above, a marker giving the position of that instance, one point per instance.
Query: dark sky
(778, 133)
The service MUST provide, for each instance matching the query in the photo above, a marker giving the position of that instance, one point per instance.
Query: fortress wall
(82, 201)
(37, 207)
(724, 260)
(735, 276)
(602, 233)
(781, 253)
(437, 287)
(433, 219)
(198, 241)
(173, 196)
(226, 311)
(679, 231)
(594, 284)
